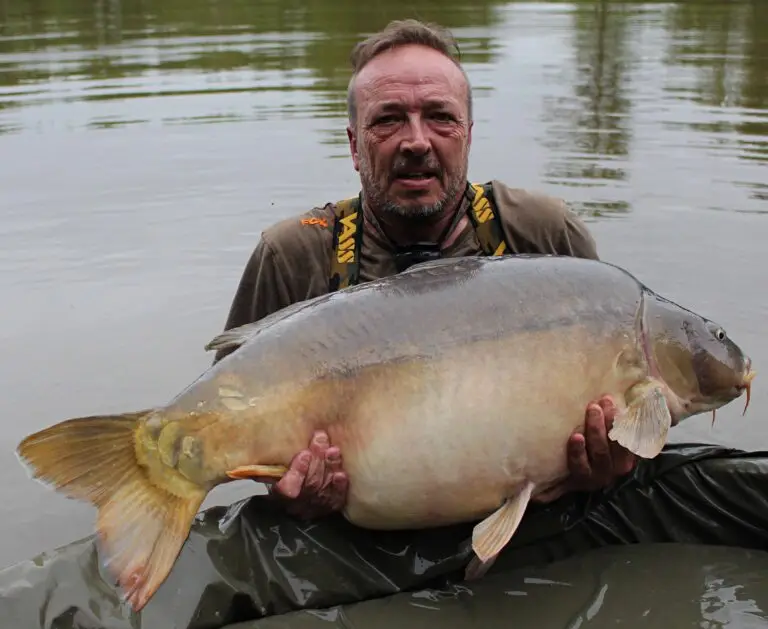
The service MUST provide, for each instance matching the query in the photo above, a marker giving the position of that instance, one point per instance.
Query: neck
(405, 231)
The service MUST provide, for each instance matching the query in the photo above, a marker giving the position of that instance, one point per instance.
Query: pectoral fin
(258, 472)
(491, 535)
(643, 425)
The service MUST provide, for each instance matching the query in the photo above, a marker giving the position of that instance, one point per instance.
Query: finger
(300, 463)
(597, 445)
(340, 482)
(333, 462)
(316, 473)
(319, 443)
(610, 410)
(313, 483)
(333, 494)
(291, 482)
(332, 467)
(338, 491)
(578, 462)
(608, 407)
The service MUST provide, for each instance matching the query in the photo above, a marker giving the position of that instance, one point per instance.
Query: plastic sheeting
(250, 566)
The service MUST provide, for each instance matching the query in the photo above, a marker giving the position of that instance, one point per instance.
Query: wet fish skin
(451, 390)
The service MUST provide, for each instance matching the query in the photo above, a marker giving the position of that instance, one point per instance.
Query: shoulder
(296, 252)
(523, 205)
(540, 222)
(301, 234)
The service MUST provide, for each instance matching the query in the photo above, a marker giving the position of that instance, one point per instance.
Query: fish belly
(433, 443)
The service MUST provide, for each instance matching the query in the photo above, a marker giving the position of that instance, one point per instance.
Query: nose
(416, 140)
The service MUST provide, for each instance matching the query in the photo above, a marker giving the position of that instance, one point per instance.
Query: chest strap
(347, 243)
(348, 234)
(484, 217)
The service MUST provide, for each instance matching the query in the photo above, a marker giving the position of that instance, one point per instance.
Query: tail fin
(141, 526)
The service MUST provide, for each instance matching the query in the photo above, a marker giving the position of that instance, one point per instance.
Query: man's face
(412, 135)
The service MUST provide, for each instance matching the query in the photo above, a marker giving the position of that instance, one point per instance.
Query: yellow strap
(486, 222)
(347, 235)
(348, 231)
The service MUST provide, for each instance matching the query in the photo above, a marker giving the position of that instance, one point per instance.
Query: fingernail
(593, 412)
(320, 439)
(577, 438)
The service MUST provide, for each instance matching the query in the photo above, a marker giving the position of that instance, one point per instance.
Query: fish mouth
(746, 384)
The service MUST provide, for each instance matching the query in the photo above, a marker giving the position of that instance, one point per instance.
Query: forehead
(410, 76)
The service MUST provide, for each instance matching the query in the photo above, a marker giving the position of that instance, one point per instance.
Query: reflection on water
(721, 52)
(696, 69)
(146, 143)
(665, 586)
(590, 125)
(293, 54)
(277, 59)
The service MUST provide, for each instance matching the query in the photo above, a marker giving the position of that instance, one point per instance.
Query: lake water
(145, 144)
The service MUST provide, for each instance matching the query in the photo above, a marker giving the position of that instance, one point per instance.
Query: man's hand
(594, 461)
(315, 484)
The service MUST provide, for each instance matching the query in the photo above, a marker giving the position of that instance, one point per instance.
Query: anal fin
(491, 535)
(258, 472)
(642, 426)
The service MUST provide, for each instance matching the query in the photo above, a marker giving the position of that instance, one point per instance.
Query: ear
(353, 146)
(469, 133)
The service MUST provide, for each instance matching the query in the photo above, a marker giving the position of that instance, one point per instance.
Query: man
(410, 131)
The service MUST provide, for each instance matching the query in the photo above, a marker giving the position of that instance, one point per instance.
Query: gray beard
(420, 211)
(377, 199)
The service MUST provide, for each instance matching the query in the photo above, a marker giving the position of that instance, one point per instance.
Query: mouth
(416, 176)
(746, 385)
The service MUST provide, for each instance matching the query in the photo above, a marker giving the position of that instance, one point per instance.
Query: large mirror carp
(451, 390)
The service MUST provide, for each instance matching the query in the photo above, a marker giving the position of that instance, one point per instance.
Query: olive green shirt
(291, 262)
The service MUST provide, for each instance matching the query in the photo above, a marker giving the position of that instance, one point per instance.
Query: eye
(385, 119)
(720, 334)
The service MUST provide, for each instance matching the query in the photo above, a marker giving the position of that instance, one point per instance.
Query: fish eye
(720, 334)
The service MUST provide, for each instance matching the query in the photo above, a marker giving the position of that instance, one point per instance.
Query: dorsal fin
(235, 337)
